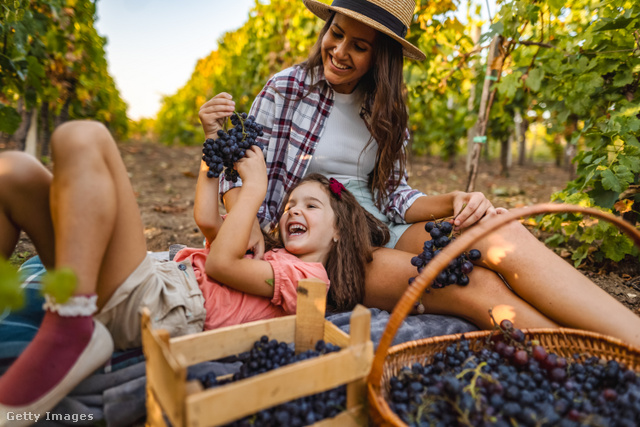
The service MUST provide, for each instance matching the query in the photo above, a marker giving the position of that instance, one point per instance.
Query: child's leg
(388, 274)
(99, 236)
(24, 204)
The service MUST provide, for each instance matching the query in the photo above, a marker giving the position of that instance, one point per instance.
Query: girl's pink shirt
(226, 306)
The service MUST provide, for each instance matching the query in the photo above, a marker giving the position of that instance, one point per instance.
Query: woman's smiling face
(347, 52)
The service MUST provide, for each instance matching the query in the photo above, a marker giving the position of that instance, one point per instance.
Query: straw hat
(391, 17)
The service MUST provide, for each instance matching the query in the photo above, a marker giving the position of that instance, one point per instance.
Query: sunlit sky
(153, 45)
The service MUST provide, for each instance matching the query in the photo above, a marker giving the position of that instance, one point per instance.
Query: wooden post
(494, 66)
(312, 304)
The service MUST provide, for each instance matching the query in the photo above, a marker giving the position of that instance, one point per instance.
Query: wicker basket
(564, 342)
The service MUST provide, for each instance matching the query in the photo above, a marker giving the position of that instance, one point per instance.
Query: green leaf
(610, 181)
(270, 282)
(616, 247)
(60, 284)
(580, 254)
(9, 119)
(623, 78)
(11, 296)
(616, 24)
(534, 79)
(510, 84)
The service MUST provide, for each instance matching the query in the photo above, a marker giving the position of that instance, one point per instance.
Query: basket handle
(458, 246)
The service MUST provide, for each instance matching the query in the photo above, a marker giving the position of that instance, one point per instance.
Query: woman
(342, 113)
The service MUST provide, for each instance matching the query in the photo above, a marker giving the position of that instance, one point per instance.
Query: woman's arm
(226, 261)
(467, 208)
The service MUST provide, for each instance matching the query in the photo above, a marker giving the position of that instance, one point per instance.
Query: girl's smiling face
(347, 52)
(307, 226)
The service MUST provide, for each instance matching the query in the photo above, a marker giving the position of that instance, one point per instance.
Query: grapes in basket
(222, 153)
(513, 382)
(267, 355)
(457, 272)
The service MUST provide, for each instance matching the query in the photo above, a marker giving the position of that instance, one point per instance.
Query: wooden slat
(335, 335)
(166, 376)
(359, 333)
(214, 344)
(232, 401)
(312, 302)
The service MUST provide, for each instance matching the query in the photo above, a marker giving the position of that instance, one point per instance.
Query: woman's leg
(553, 286)
(98, 234)
(545, 281)
(24, 204)
(388, 274)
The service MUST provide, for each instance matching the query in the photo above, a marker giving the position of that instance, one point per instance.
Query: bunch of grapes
(267, 355)
(222, 153)
(511, 381)
(458, 270)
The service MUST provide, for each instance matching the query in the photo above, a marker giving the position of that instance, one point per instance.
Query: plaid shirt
(293, 119)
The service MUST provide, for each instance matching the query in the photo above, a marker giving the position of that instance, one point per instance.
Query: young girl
(97, 232)
(343, 113)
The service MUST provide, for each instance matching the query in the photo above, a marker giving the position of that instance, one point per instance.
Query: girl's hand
(252, 169)
(469, 208)
(213, 113)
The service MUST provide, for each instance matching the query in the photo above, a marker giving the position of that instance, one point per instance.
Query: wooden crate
(185, 403)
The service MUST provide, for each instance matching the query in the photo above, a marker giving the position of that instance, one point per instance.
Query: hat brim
(323, 11)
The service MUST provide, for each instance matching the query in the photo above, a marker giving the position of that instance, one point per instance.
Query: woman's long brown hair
(359, 233)
(385, 109)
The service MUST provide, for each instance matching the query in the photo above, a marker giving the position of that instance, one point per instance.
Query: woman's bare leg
(24, 204)
(388, 274)
(545, 281)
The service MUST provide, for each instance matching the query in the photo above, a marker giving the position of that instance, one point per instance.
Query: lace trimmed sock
(63, 335)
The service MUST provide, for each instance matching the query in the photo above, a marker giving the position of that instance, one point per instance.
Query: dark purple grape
(466, 267)
(474, 254)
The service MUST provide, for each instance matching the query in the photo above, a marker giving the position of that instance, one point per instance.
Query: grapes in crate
(222, 153)
(457, 272)
(266, 355)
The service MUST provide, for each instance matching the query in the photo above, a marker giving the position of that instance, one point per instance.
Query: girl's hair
(359, 232)
(385, 108)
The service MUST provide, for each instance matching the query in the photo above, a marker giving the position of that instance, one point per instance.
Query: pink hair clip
(336, 187)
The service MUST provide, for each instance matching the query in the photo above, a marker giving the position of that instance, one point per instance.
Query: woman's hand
(213, 113)
(469, 208)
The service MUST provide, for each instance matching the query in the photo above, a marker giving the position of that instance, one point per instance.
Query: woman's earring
(335, 240)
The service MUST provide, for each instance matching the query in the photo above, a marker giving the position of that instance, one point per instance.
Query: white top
(339, 153)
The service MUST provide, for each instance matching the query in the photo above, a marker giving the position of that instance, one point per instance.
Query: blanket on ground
(115, 394)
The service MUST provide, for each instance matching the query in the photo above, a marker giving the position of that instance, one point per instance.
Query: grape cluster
(222, 153)
(511, 382)
(267, 355)
(457, 272)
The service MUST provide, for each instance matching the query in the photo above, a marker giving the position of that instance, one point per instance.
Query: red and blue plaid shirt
(293, 114)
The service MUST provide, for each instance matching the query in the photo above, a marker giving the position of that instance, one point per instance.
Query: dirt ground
(164, 180)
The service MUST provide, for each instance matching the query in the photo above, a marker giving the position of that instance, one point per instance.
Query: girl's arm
(226, 261)
(205, 209)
